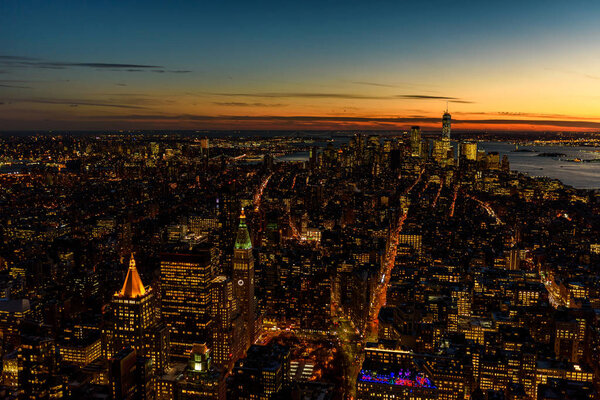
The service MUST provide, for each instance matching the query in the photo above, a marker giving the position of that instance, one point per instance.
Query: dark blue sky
(207, 52)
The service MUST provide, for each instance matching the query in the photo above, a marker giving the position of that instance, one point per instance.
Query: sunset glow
(502, 66)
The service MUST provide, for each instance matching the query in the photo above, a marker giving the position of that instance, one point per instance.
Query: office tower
(243, 278)
(228, 323)
(12, 315)
(441, 148)
(462, 299)
(441, 151)
(395, 159)
(566, 341)
(154, 148)
(505, 164)
(200, 380)
(261, 375)
(35, 367)
(130, 376)
(185, 275)
(446, 122)
(415, 141)
(268, 162)
(78, 347)
(468, 150)
(137, 322)
(492, 160)
(312, 156)
(204, 145)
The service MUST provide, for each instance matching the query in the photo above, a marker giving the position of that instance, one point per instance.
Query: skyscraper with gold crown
(136, 321)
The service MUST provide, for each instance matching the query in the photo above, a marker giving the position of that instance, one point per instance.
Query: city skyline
(383, 66)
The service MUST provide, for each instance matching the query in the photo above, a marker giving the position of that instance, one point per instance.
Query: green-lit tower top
(242, 240)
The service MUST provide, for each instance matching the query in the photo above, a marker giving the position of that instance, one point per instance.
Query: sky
(497, 65)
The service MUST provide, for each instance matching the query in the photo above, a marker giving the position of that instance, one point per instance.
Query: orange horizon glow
(508, 66)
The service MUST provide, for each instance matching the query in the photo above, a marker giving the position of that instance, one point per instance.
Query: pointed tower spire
(133, 286)
(242, 240)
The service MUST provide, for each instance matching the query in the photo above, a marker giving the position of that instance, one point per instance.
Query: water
(580, 175)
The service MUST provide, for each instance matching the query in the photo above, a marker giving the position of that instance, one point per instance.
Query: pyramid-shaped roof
(133, 286)
(242, 240)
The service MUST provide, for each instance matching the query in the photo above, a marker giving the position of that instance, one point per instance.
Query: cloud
(592, 76)
(347, 96)
(242, 104)
(535, 122)
(303, 95)
(373, 84)
(121, 84)
(527, 115)
(564, 71)
(135, 67)
(15, 81)
(14, 86)
(428, 97)
(176, 71)
(106, 65)
(74, 103)
(16, 58)
(8, 61)
(349, 119)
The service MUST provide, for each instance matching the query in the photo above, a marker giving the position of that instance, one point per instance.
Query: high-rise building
(446, 123)
(415, 141)
(261, 375)
(196, 379)
(35, 367)
(204, 145)
(228, 323)
(462, 298)
(185, 276)
(200, 379)
(468, 150)
(440, 149)
(243, 278)
(137, 322)
(130, 376)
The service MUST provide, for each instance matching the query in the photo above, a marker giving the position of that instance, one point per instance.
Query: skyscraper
(228, 323)
(130, 376)
(200, 379)
(137, 322)
(261, 375)
(185, 275)
(415, 141)
(441, 148)
(446, 122)
(468, 150)
(243, 278)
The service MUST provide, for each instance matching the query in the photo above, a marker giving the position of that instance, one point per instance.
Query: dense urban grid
(406, 266)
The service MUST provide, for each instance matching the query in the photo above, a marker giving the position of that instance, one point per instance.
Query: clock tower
(243, 280)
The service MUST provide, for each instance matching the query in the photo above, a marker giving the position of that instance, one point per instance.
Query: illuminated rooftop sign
(401, 378)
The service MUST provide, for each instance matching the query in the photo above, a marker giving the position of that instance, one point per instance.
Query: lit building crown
(133, 286)
(242, 240)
